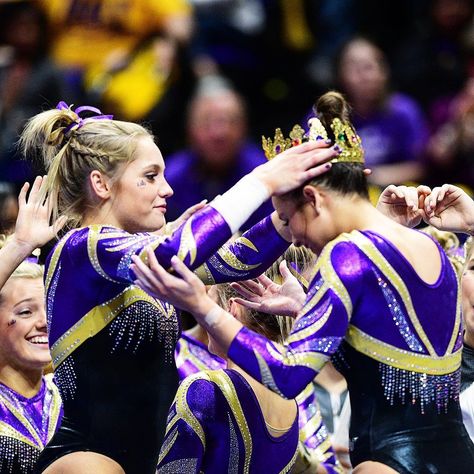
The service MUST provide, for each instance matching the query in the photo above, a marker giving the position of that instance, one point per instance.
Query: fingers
(36, 187)
(309, 146)
(191, 210)
(22, 195)
(316, 157)
(423, 189)
(284, 270)
(408, 195)
(246, 303)
(264, 280)
(255, 287)
(145, 275)
(411, 197)
(317, 171)
(59, 224)
(391, 192)
(243, 291)
(183, 271)
(436, 196)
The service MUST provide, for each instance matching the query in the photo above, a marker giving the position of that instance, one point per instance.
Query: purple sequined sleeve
(246, 257)
(111, 249)
(317, 333)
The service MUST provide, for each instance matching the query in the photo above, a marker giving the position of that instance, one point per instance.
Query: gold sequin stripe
(311, 426)
(167, 445)
(182, 408)
(329, 275)
(224, 382)
(185, 355)
(130, 241)
(97, 319)
(309, 305)
(312, 360)
(10, 432)
(322, 451)
(205, 275)
(55, 408)
(457, 323)
(232, 260)
(406, 360)
(310, 330)
(247, 243)
(304, 394)
(288, 467)
(187, 243)
(396, 281)
(23, 420)
(93, 237)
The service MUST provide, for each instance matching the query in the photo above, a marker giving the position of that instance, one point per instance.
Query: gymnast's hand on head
(295, 166)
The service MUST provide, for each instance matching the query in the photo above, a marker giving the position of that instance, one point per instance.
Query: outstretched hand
(32, 228)
(266, 296)
(404, 204)
(172, 226)
(449, 208)
(187, 292)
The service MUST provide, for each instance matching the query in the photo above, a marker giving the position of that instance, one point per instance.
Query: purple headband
(79, 122)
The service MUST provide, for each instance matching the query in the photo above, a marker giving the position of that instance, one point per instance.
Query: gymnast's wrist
(203, 307)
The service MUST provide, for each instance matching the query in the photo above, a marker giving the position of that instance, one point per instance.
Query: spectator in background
(218, 154)
(390, 124)
(451, 147)
(97, 37)
(432, 63)
(28, 80)
(8, 208)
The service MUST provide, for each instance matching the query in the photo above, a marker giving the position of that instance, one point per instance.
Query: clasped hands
(447, 207)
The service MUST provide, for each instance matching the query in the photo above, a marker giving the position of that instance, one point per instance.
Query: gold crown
(345, 138)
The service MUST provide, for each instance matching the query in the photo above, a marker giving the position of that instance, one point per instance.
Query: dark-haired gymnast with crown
(383, 305)
(112, 344)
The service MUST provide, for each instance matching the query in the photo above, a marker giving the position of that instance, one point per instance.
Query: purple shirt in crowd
(183, 173)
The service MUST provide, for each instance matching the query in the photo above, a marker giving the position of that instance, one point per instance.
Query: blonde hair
(70, 148)
(468, 247)
(450, 244)
(274, 327)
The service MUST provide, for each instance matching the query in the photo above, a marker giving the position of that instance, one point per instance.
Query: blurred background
(210, 77)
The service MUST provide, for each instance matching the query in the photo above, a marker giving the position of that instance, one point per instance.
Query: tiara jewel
(345, 138)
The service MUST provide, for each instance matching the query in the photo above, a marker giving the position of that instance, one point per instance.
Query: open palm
(267, 296)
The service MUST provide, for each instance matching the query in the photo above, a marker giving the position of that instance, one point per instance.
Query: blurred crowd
(210, 77)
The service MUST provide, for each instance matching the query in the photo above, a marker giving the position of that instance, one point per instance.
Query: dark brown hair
(346, 177)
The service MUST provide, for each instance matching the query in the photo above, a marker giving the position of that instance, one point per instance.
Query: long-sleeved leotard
(112, 344)
(26, 425)
(192, 356)
(395, 338)
(216, 426)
